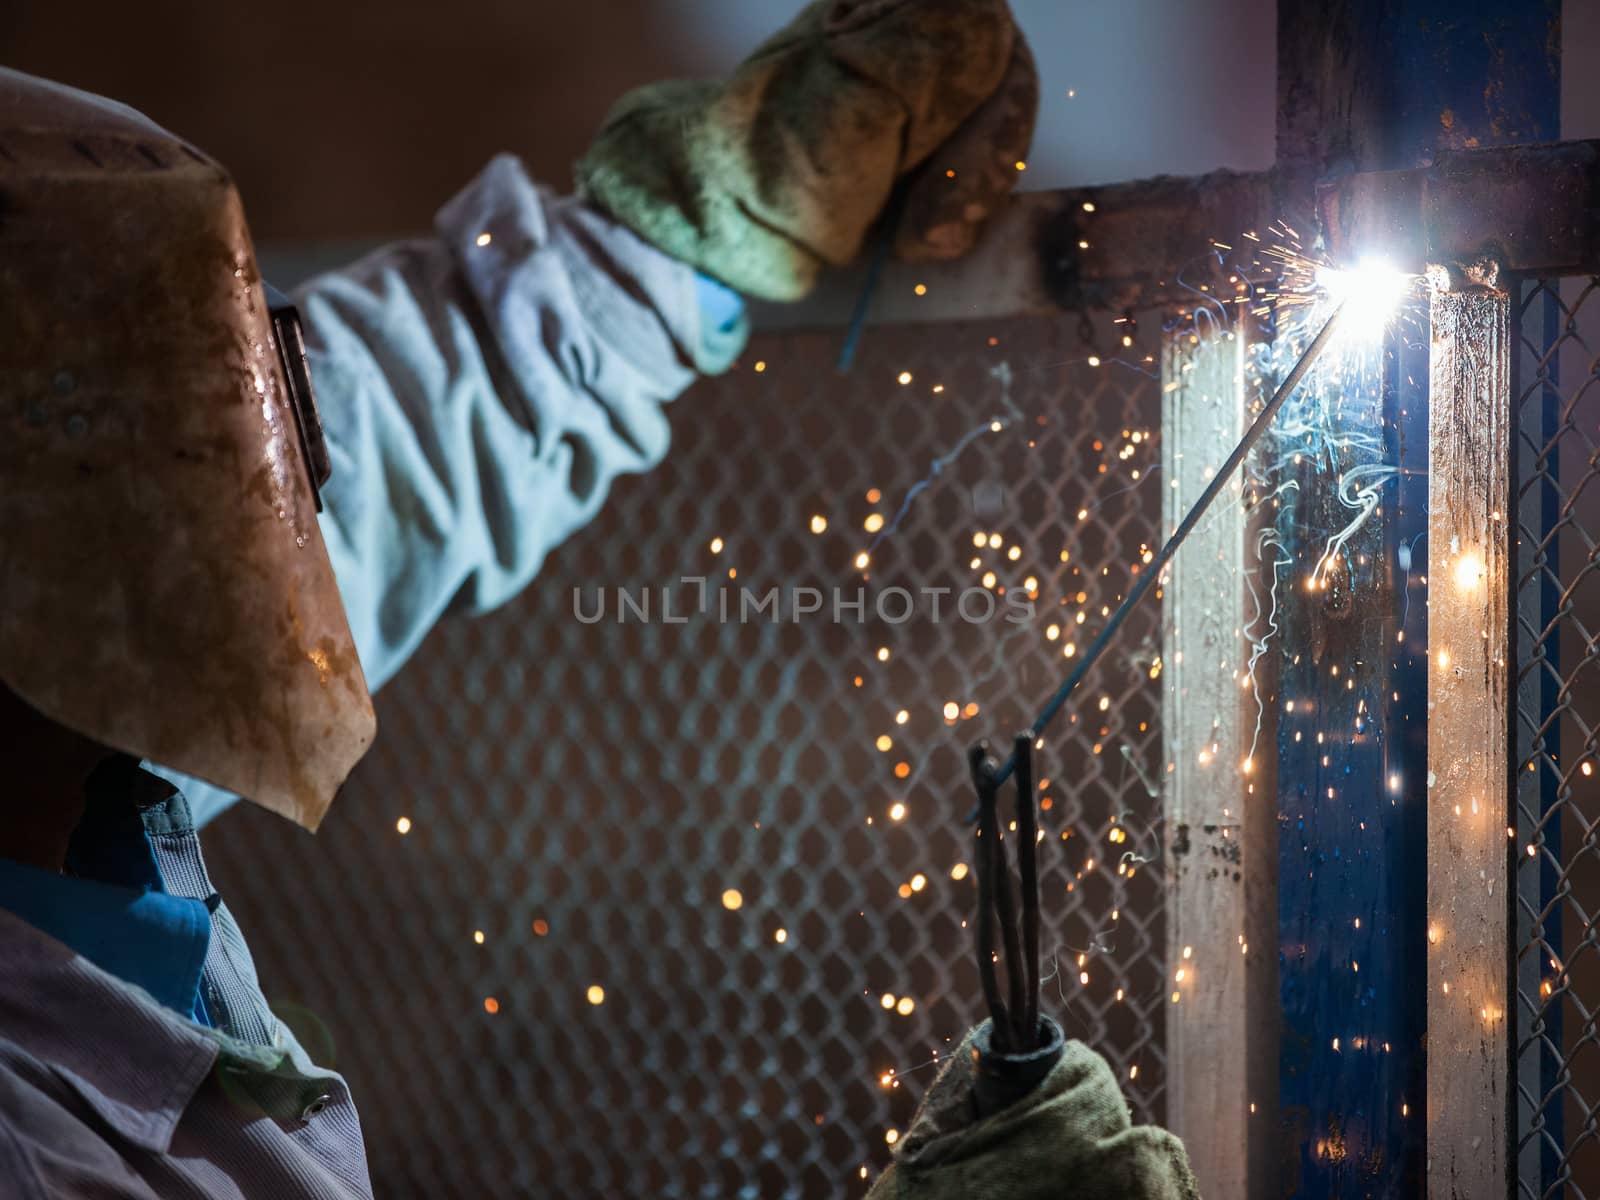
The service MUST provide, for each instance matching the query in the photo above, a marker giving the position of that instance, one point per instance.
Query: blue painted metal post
(1372, 85)
(1352, 765)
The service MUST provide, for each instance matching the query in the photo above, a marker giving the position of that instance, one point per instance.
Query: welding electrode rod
(1028, 866)
(1190, 520)
(1005, 907)
(989, 834)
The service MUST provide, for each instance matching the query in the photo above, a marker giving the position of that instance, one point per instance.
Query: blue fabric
(720, 305)
(113, 909)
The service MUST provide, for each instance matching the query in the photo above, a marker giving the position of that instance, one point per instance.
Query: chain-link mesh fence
(677, 906)
(1557, 882)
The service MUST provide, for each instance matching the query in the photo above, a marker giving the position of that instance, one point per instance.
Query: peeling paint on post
(1221, 845)
(1469, 727)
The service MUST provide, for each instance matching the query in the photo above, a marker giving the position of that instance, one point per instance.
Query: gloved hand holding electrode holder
(1019, 1112)
(1017, 1047)
(761, 180)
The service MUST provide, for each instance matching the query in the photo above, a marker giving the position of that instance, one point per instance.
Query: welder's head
(164, 587)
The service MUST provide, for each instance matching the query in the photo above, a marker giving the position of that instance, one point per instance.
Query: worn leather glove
(760, 180)
(1068, 1139)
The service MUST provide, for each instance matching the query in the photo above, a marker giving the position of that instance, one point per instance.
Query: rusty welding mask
(164, 587)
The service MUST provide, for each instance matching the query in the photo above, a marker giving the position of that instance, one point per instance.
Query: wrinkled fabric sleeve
(479, 391)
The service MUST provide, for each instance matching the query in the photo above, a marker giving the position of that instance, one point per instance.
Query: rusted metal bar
(1469, 731)
(1423, 117)
(1146, 244)
(1533, 209)
(1121, 246)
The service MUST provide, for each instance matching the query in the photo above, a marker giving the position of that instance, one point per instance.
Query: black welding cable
(1214, 489)
(1005, 907)
(987, 861)
(1028, 866)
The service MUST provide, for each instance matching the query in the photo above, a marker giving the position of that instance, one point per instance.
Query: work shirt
(480, 391)
(110, 1089)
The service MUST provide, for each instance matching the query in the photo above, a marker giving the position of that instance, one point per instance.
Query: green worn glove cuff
(1070, 1139)
(760, 181)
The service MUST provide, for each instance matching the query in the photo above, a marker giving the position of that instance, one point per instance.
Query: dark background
(349, 120)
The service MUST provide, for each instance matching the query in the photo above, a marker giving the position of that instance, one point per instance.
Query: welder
(225, 517)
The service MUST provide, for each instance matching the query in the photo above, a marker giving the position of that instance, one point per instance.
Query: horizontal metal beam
(1535, 209)
(999, 278)
(1120, 246)
(1129, 245)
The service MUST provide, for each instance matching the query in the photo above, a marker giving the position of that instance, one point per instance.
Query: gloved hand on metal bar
(1020, 1112)
(761, 180)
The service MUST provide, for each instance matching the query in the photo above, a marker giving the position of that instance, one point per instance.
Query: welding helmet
(164, 587)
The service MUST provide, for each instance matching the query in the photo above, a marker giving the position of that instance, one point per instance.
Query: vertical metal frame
(1219, 812)
(1470, 666)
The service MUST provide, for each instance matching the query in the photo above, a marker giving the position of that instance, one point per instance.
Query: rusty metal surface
(1127, 245)
(1117, 247)
(1469, 625)
(1147, 244)
(1533, 207)
(1383, 84)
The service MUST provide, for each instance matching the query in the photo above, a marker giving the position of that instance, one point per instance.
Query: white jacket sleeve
(479, 392)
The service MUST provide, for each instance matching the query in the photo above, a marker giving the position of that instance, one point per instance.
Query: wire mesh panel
(1557, 893)
(656, 881)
